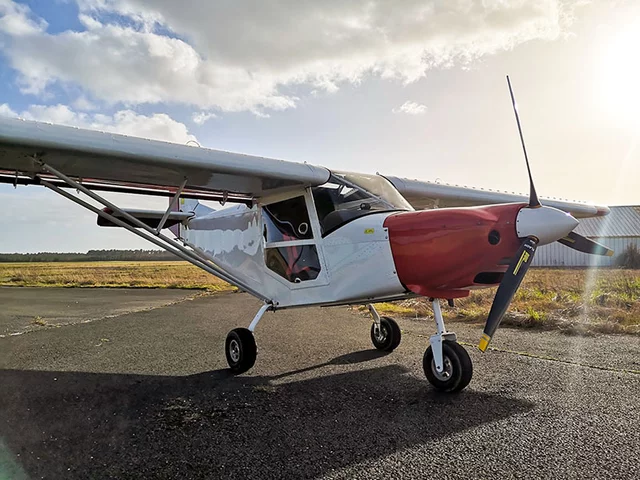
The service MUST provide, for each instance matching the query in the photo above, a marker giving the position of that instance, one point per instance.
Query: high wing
(128, 161)
(424, 195)
(135, 165)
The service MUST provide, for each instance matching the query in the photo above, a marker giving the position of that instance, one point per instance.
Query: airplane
(298, 235)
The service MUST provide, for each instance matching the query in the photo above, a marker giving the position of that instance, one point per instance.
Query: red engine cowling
(445, 253)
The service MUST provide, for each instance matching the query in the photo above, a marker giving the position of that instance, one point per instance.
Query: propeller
(535, 225)
(583, 244)
(533, 196)
(507, 289)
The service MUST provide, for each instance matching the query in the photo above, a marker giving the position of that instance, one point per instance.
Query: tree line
(90, 256)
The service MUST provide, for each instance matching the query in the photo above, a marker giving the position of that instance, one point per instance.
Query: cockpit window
(287, 224)
(341, 200)
(286, 220)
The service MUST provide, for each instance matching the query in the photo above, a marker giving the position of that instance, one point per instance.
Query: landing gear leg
(385, 332)
(446, 363)
(240, 347)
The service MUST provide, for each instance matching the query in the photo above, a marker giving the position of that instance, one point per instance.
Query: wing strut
(172, 203)
(199, 259)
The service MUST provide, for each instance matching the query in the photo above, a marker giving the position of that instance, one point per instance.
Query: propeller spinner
(535, 225)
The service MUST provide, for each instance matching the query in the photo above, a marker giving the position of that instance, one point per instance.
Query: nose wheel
(446, 363)
(457, 367)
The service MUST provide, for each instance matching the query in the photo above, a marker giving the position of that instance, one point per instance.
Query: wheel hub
(234, 350)
(447, 371)
(380, 333)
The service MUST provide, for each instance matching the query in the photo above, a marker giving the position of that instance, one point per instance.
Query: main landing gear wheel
(241, 350)
(387, 336)
(457, 371)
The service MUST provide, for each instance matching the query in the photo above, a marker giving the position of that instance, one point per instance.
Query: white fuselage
(356, 264)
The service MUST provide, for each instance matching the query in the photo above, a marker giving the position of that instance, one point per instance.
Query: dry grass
(38, 320)
(110, 274)
(572, 300)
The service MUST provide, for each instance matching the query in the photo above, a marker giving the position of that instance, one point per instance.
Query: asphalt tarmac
(143, 392)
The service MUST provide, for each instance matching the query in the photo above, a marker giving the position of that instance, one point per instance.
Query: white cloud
(238, 56)
(201, 118)
(158, 126)
(411, 108)
(6, 111)
(83, 103)
(15, 20)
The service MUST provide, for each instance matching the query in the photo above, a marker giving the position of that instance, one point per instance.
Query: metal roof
(621, 222)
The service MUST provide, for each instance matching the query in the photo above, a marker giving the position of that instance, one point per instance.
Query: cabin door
(292, 242)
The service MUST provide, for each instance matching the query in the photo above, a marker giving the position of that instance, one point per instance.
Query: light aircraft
(299, 235)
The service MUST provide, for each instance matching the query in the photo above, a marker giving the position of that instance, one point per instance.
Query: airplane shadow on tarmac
(95, 425)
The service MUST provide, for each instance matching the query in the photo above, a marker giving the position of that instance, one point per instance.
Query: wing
(423, 195)
(133, 163)
(128, 161)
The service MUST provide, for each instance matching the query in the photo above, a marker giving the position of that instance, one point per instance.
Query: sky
(407, 88)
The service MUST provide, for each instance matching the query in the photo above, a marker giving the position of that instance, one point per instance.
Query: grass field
(572, 300)
(109, 274)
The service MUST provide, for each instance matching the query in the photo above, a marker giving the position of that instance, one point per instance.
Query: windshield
(378, 186)
(347, 196)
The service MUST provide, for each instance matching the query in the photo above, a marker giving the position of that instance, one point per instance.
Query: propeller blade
(533, 196)
(583, 244)
(507, 289)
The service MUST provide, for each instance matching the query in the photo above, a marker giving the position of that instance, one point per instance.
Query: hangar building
(617, 231)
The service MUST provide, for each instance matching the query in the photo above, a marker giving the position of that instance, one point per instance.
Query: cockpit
(347, 196)
(290, 241)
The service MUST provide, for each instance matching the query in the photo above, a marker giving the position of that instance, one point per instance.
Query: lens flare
(619, 73)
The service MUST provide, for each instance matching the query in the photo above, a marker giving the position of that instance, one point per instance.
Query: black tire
(389, 337)
(458, 367)
(241, 350)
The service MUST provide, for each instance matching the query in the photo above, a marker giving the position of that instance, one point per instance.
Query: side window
(286, 220)
(296, 263)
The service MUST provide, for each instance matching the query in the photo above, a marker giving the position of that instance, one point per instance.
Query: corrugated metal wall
(557, 255)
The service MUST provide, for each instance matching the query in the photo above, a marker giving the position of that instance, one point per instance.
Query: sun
(619, 73)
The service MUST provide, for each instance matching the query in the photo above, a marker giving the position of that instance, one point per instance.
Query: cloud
(15, 20)
(158, 126)
(6, 111)
(83, 103)
(411, 108)
(246, 56)
(201, 118)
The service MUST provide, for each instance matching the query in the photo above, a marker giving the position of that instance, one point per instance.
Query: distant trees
(630, 258)
(90, 256)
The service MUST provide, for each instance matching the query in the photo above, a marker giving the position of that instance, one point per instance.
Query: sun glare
(619, 73)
